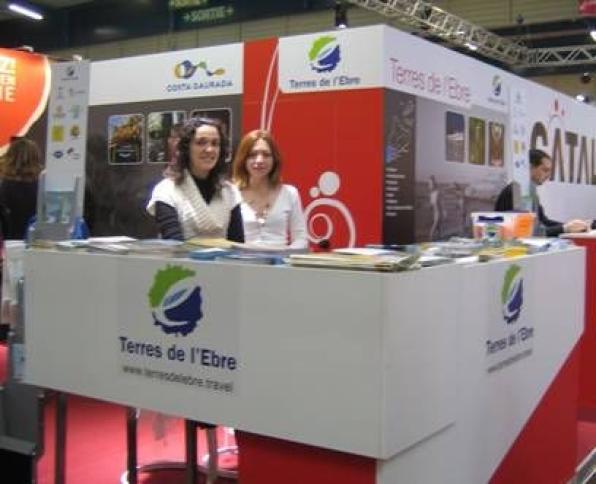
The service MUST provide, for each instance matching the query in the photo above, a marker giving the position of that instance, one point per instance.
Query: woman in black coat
(19, 172)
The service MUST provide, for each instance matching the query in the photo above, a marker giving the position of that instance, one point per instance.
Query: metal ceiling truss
(573, 55)
(457, 31)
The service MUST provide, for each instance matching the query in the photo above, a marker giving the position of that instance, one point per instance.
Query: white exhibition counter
(433, 373)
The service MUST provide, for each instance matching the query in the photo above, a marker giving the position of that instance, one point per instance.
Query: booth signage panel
(330, 61)
(209, 71)
(176, 326)
(493, 408)
(566, 130)
(510, 326)
(410, 66)
(519, 138)
(66, 140)
(25, 80)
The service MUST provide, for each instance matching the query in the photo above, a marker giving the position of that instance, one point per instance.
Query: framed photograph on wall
(125, 139)
(496, 144)
(477, 141)
(163, 133)
(455, 136)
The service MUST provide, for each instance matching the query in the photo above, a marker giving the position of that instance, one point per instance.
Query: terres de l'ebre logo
(512, 294)
(175, 300)
(324, 54)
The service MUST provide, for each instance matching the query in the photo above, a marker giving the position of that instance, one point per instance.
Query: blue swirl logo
(175, 300)
(512, 294)
(324, 54)
(497, 86)
(186, 69)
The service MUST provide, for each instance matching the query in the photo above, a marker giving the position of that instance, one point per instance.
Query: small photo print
(223, 115)
(496, 144)
(454, 136)
(477, 140)
(125, 138)
(163, 133)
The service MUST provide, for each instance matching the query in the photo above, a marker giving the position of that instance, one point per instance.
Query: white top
(284, 225)
(197, 218)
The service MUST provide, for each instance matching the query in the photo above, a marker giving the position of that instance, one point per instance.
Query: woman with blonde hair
(19, 173)
(271, 210)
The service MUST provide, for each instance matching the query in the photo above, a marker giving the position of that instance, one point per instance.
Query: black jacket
(504, 203)
(18, 201)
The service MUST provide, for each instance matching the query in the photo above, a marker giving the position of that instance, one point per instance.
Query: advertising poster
(135, 126)
(25, 80)
(400, 157)
(66, 140)
(453, 178)
(125, 138)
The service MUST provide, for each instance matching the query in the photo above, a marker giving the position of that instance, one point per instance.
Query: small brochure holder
(56, 212)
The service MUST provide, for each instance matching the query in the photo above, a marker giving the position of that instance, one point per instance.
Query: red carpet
(96, 444)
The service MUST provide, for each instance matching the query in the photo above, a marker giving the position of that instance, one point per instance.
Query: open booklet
(204, 243)
(125, 245)
(358, 258)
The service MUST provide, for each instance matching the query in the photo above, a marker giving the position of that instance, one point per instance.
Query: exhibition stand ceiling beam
(458, 32)
(455, 30)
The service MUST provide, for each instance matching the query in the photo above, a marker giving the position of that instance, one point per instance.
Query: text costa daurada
(200, 356)
(198, 85)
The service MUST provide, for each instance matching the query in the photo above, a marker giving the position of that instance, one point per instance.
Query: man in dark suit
(541, 167)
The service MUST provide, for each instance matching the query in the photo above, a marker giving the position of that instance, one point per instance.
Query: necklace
(261, 210)
(261, 205)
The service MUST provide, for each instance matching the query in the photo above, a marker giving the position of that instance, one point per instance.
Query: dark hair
(22, 161)
(176, 129)
(240, 173)
(177, 170)
(536, 157)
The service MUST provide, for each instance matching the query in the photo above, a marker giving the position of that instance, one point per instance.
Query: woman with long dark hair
(194, 199)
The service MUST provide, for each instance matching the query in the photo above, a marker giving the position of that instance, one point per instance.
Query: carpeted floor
(96, 442)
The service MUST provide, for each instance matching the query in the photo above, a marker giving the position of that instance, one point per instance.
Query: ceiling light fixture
(26, 11)
(341, 15)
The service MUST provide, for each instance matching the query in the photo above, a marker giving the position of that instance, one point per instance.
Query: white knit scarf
(196, 217)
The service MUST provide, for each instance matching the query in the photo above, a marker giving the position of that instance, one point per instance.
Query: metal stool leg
(131, 444)
(60, 439)
(212, 465)
(190, 436)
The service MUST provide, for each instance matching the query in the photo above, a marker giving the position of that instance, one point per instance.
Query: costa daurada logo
(512, 294)
(186, 69)
(324, 54)
(175, 300)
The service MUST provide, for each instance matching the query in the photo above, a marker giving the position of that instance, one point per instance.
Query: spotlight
(472, 47)
(341, 15)
(26, 11)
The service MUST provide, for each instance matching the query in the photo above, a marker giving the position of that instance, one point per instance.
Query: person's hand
(574, 226)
